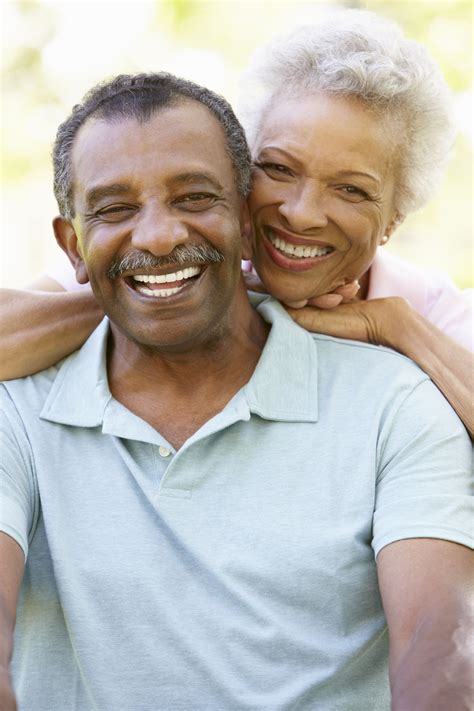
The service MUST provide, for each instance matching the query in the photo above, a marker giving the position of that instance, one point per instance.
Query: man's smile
(161, 286)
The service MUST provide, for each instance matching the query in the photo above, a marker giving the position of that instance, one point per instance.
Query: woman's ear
(390, 228)
(246, 230)
(67, 239)
(395, 222)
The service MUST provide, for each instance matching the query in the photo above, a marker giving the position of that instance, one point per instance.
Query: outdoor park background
(52, 52)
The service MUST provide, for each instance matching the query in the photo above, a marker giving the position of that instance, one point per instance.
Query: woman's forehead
(317, 125)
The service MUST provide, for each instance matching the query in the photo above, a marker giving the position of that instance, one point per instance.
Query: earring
(384, 239)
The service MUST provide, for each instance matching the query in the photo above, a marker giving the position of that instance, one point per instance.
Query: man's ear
(67, 239)
(246, 231)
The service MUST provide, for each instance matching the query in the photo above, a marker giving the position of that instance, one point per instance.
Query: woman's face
(322, 196)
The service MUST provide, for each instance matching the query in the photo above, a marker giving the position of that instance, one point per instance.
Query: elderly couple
(218, 509)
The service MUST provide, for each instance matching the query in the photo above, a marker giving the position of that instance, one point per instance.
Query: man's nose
(304, 208)
(158, 230)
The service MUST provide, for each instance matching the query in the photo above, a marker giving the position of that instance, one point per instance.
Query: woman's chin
(295, 298)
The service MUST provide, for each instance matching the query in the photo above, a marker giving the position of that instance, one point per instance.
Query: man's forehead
(186, 135)
(176, 121)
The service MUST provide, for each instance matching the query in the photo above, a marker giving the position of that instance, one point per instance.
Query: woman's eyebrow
(288, 155)
(359, 173)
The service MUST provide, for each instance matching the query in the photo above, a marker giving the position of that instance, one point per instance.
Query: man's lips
(164, 285)
(293, 253)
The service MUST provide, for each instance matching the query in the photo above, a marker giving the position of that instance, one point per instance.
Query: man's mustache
(181, 254)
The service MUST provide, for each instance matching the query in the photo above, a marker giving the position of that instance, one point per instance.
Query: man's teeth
(180, 276)
(166, 278)
(298, 250)
(158, 293)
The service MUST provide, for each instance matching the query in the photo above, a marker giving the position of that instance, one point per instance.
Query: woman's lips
(305, 254)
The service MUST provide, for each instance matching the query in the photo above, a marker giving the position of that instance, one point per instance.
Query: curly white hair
(359, 54)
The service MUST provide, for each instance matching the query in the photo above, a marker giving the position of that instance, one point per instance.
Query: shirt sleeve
(424, 487)
(19, 501)
(452, 312)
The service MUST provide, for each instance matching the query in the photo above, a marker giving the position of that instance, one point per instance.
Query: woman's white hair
(358, 54)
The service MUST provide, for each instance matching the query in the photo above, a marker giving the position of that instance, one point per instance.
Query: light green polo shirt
(237, 573)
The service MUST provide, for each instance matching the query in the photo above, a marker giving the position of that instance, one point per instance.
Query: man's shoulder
(363, 365)
(31, 390)
(332, 351)
(29, 394)
(362, 352)
(340, 369)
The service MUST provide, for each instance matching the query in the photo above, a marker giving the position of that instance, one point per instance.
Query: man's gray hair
(138, 97)
(358, 54)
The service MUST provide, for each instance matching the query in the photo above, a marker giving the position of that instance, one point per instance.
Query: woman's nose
(303, 209)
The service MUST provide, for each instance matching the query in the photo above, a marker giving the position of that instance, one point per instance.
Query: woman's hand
(369, 321)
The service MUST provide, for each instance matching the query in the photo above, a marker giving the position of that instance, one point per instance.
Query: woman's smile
(294, 253)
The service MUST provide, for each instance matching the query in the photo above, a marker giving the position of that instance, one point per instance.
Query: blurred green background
(53, 52)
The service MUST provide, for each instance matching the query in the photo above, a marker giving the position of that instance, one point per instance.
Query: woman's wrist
(399, 326)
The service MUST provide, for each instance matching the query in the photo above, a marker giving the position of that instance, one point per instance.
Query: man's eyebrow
(100, 191)
(185, 178)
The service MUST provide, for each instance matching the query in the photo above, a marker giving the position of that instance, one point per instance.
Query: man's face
(142, 191)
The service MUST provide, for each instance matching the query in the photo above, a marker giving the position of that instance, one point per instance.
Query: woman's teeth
(298, 250)
(173, 278)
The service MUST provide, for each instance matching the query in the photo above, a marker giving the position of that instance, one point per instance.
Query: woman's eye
(275, 169)
(354, 192)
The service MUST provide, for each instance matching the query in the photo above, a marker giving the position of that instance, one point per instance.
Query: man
(199, 492)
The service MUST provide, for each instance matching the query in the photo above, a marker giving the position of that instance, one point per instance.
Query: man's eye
(114, 213)
(196, 201)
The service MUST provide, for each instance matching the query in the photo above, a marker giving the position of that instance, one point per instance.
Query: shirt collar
(282, 387)
(80, 391)
(284, 384)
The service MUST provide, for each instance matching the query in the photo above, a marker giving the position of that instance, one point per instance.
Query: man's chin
(165, 337)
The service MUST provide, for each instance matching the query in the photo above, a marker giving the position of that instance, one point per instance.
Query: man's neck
(177, 392)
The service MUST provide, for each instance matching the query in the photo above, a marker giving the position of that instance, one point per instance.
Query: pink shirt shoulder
(430, 292)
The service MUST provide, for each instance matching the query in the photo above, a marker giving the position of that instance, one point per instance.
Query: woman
(349, 128)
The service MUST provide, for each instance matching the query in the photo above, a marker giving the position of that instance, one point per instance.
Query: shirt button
(164, 451)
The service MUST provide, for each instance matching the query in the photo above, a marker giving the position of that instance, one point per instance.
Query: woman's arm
(394, 323)
(38, 328)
